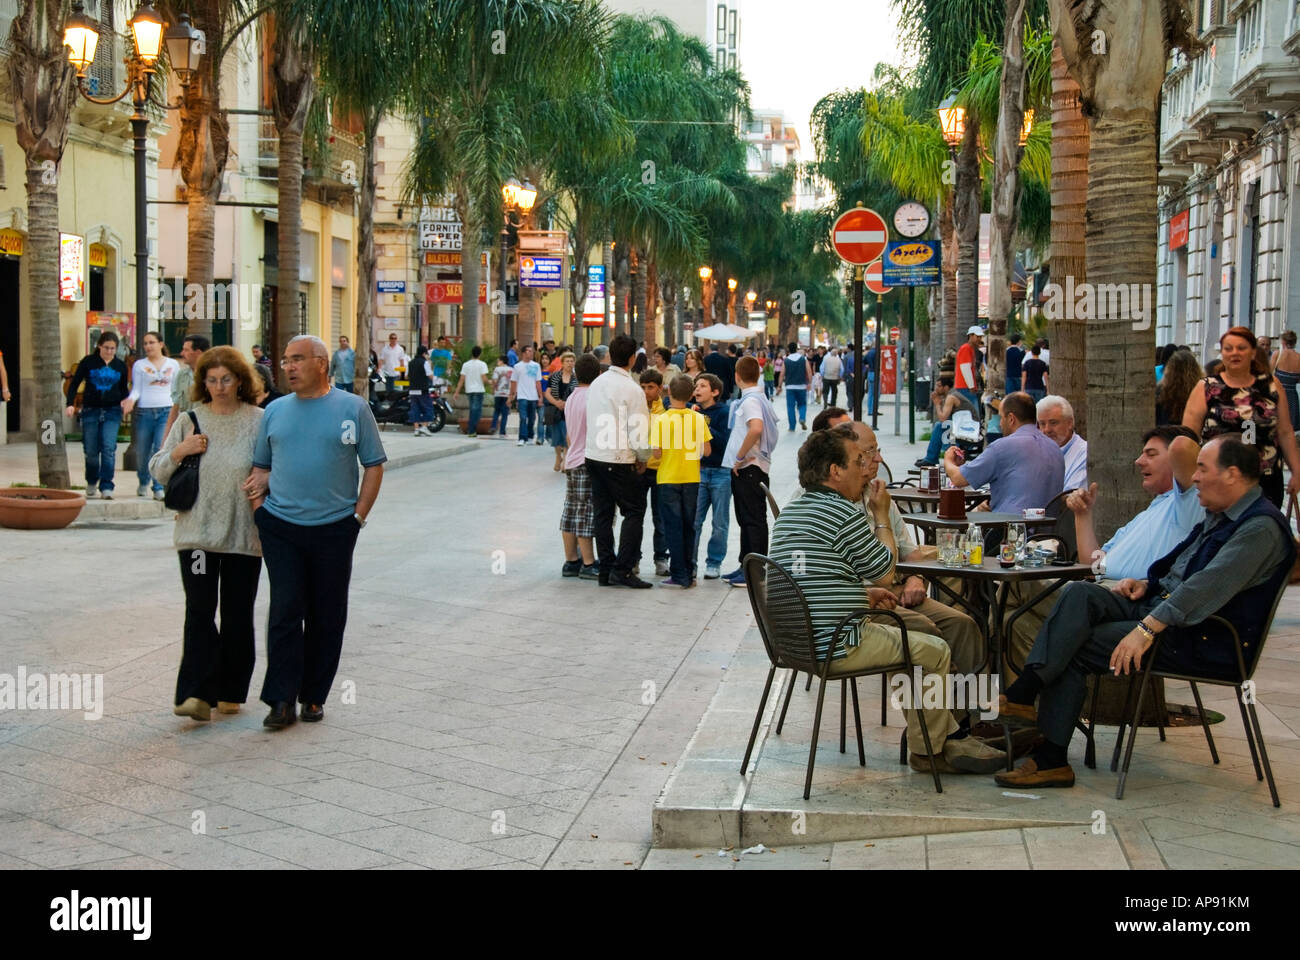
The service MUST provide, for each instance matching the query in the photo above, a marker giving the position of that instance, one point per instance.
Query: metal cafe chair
(1247, 662)
(884, 681)
(784, 621)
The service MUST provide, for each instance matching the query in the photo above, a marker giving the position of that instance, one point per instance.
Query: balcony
(1214, 111)
(1175, 132)
(337, 173)
(1292, 42)
(1266, 78)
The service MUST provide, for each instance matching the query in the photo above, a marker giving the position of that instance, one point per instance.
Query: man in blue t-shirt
(308, 512)
(1015, 355)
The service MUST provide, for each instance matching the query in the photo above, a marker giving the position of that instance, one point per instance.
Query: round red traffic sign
(859, 236)
(873, 279)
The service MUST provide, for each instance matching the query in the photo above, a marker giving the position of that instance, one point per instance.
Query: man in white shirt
(473, 376)
(390, 358)
(618, 448)
(749, 458)
(523, 389)
(1056, 420)
(830, 371)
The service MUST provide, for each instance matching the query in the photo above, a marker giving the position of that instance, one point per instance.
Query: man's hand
(881, 599)
(70, 412)
(256, 486)
(878, 499)
(1293, 485)
(641, 466)
(954, 455)
(982, 505)
(913, 592)
(1128, 652)
(1081, 501)
(1130, 588)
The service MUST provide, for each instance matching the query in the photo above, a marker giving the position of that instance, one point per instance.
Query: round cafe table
(927, 501)
(928, 523)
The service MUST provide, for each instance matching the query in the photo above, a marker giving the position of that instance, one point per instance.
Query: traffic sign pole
(859, 374)
(911, 364)
(875, 386)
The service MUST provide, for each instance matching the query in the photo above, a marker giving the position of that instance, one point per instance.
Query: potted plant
(39, 508)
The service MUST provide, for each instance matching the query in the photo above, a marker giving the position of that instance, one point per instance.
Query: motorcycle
(388, 406)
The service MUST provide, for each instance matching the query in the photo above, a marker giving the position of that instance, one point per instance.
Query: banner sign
(912, 263)
(541, 272)
(450, 293)
(391, 286)
(72, 267)
(440, 229)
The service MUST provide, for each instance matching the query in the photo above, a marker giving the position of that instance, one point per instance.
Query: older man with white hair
(1056, 420)
(308, 512)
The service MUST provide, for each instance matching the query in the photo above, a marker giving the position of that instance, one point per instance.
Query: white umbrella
(725, 333)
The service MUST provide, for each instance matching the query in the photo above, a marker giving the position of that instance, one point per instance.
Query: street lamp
(81, 35)
(731, 299)
(952, 122)
(517, 199)
(706, 296)
(1027, 127)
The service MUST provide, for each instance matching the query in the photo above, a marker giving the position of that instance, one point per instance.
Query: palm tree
(1120, 83)
(44, 90)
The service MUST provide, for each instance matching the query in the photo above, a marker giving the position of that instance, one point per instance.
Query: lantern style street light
(706, 296)
(952, 122)
(1027, 127)
(184, 47)
(517, 199)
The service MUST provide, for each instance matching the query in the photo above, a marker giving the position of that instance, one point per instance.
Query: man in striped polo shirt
(828, 546)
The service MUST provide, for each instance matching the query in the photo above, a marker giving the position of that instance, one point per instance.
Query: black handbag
(183, 485)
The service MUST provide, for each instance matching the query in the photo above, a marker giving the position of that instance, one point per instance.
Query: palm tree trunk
(947, 326)
(292, 90)
(471, 272)
(966, 215)
(621, 302)
(607, 257)
(1069, 375)
(366, 232)
(1006, 187)
(637, 265)
(44, 90)
(201, 153)
(651, 304)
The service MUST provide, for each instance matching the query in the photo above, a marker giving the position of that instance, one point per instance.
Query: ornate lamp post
(518, 198)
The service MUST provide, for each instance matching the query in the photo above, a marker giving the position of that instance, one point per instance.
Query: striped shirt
(825, 543)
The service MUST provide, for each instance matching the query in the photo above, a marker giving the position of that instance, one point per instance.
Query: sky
(794, 52)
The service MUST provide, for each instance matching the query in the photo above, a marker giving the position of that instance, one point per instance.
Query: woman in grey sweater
(220, 555)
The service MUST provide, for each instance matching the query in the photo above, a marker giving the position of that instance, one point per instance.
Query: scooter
(388, 406)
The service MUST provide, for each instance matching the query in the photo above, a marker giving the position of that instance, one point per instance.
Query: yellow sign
(908, 255)
(11, 243)
(98, 255)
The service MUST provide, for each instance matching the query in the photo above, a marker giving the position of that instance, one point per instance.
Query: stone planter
(484, 425)
(36, 508)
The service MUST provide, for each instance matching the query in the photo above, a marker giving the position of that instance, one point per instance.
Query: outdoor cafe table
(991, 582)
(927, 501)
(930, 522)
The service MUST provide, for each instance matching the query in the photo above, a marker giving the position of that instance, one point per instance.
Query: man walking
(795, 376)
(473, 377)
(618, 435)
(183, 385)
(308, 512)
(717, 364)
(831, 367)
(343, 366)
(390, 359)
(1015, 357)
(523, 388)
(101, 412)
(966, 374)
(753, 436)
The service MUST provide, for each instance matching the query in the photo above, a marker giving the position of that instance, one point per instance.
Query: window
(731, 29)
(720, 59)
(102, 73)
(1207, 14)
(731, 61)
(722, 23)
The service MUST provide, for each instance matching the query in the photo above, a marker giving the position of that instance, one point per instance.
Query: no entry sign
(873, 278)
(859, 236)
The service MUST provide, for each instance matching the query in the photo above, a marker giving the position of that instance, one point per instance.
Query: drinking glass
(1016, 537)
(949, 548)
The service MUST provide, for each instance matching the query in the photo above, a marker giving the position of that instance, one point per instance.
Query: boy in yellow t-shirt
(652, 384)
(679, 438)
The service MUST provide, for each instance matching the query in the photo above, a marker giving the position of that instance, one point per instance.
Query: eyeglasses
(226, 381)
(294, 361)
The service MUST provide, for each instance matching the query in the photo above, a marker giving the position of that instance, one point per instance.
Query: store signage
(541, 272)
(911, 263)
(450, 293)
(72, 267)
(440, 229)
(11, 243)
(1179, 230)
(391, 286)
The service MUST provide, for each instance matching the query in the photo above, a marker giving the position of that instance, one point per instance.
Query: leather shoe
(1016, 714)
(282, 715)
(971, 756)
(1028, 775)
(617, 579)
(311, 713)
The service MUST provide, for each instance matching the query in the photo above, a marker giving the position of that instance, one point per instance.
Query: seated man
(828, 547)
(1023, 469)
(1232, 564)
(1056, 420)
(1167, 463)
(947, 401)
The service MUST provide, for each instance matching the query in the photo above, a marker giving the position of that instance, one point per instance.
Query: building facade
(1230, 177)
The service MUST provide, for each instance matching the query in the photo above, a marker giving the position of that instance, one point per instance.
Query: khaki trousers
(879, 645)
(1028, 624)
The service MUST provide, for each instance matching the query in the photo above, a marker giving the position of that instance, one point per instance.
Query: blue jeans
(475, 412)
(345, 387)
(934, 453)
(677, 515)
(796, 398)
(1036, 394)
(501, 412)
(99, 441)
(527, 408)
(871, 393)
(149, 425)
(769, 387)
(650, 479)
(715, 492)
(1013, 385)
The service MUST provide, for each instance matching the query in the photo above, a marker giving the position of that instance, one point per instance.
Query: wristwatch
(359, 519)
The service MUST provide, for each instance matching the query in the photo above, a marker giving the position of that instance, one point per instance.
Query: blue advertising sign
(391, 286)
(596, 282)
(912, 263)
(541, 272)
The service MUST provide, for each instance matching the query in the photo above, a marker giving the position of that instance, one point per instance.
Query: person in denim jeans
(150, 403)
(524, 391)
(501, 397)
(101, 412)
(715, 480)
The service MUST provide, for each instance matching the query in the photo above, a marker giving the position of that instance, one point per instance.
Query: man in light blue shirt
(343, 366)
(1056, 420)
(1023, 469)
(1166, 464)
(308, 512)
